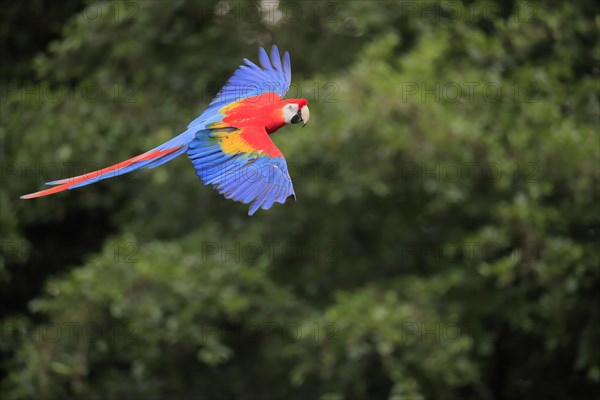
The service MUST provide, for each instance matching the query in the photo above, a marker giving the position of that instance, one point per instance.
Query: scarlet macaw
(229, 142)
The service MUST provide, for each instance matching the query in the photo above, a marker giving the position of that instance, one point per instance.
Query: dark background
(444, 244)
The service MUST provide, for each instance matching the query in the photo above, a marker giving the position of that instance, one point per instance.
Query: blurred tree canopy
(445, 239)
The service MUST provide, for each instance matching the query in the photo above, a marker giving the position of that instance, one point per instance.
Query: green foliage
(444, 241)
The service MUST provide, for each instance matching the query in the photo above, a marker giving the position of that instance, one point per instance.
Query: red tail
(91, 177)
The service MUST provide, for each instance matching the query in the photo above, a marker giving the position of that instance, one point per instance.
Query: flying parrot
(229, 143)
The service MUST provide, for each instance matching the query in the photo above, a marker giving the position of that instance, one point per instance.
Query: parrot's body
(229, 143)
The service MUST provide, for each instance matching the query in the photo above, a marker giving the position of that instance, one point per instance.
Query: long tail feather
(151, 158)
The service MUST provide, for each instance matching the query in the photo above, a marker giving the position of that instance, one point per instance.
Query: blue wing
(274, 75)
(248, 177)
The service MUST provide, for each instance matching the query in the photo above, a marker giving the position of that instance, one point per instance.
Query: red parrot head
(296, 110)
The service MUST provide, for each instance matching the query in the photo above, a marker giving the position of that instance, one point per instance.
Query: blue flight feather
(248, 178)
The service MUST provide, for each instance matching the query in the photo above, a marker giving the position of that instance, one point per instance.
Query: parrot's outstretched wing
(242, 164)
(273, 76)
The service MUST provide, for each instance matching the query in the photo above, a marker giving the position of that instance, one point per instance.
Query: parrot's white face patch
(292, 115)
(289, 112)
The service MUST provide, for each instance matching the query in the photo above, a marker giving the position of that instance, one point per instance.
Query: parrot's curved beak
(304, 115)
